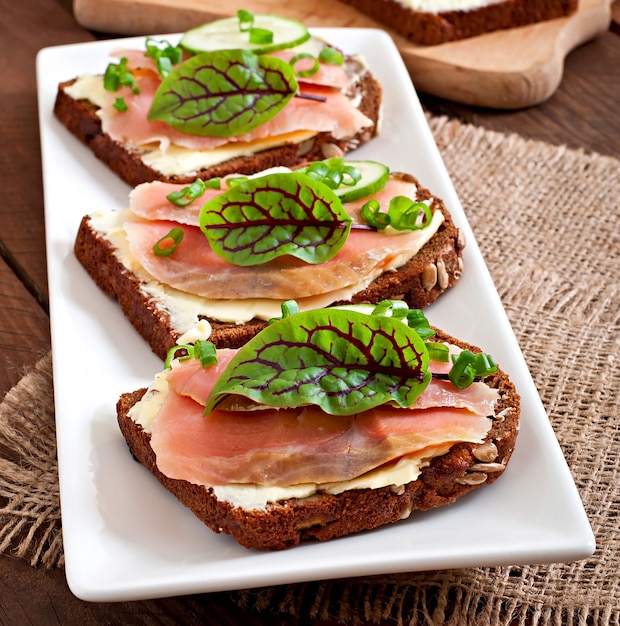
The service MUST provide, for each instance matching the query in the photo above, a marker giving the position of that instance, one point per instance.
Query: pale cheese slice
(185, 309)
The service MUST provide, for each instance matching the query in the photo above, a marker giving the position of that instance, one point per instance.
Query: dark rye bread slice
(432, 28)
(433, 270)
(464, 468)
(81, 119)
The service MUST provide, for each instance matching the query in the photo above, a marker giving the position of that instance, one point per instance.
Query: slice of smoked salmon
(335, 115)
(196, 269)
(149, 201)
(283, 447)
(295, 446)
(189, 378)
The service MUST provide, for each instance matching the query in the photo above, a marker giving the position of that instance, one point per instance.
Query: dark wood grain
(24, 328)
(25, 28)
(29, 596)
(583, 113)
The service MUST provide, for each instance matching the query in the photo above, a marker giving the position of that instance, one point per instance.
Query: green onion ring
(188, 194)
(176, 234)
(300, 57)
(463, 371)
(354, 175)
(405, 214)
(371, 213)
(246, 20)
(170, 356)
(331, 56)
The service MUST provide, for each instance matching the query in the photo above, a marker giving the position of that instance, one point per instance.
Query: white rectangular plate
(125, 537)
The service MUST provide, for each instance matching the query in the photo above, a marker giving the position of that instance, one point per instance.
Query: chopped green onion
(417, 320)
(246, 25)
(382, 309)
(438, 352)
(354, 175)
(485, 365)
(165, 54)
(372, 215)
(202, 350)
(330, 176)
(117, 75)
(156, 49)
(331, 56)
(205, 352)
(164, 66)
(290, 307)
(188, 194)
(463, 371)
(260, 36)
(405, 214)
(176, 235)
(320, 171)
(333, 173)
(397, 309)
(300, 57)
(466, 366)
(172, 354)
(231, 181)
(246, 20)
(120, 105)
(213, 183)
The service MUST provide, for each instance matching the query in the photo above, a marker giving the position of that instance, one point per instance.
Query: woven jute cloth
(547, 220)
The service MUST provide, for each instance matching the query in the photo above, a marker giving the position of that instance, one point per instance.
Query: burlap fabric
(547, 220)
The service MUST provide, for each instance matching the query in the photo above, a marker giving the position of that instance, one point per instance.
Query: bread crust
(322, 517)
(434, 269)
(432, 28)
(81, 119)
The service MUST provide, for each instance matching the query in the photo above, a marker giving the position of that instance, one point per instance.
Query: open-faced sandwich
(433, 22)
(238, 95)
(229, 251)
(326, 423)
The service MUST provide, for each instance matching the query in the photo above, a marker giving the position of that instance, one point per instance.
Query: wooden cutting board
(503, 70)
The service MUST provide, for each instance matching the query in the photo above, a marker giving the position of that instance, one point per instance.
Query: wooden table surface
(583, 113)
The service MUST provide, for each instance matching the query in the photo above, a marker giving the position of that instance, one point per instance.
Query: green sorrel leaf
(259, 219)
(340, 360)
(223, 93)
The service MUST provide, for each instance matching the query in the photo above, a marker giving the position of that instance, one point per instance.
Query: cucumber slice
(224, 34)
(374, 177)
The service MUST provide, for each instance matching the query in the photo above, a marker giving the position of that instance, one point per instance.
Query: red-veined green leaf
(259, 219)
(340, 360)
(223, 93)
